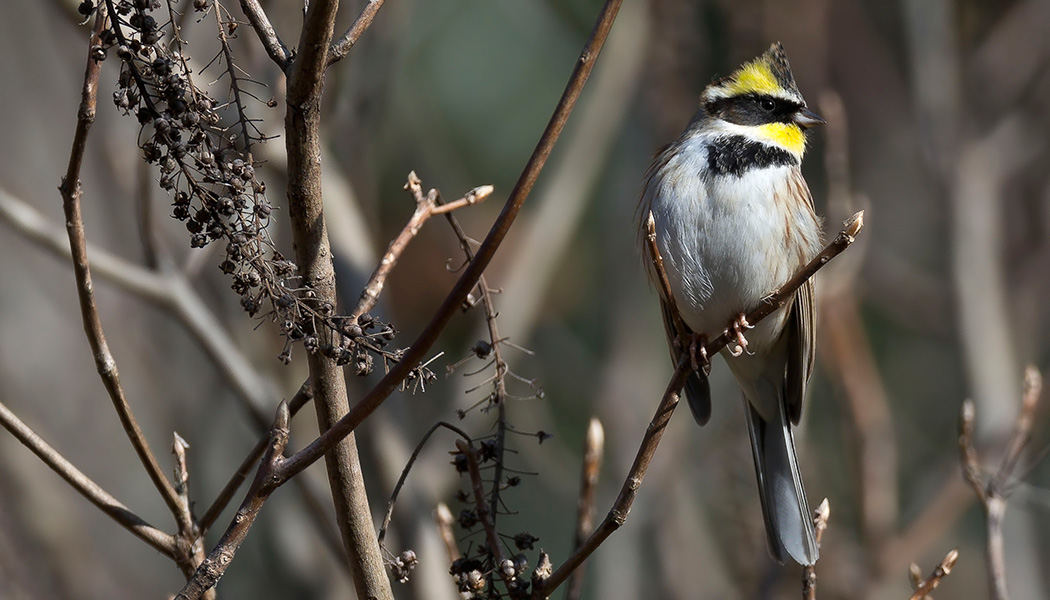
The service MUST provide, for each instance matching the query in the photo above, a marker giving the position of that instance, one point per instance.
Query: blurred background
(938, 114)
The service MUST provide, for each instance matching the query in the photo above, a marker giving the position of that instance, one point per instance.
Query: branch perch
(617, 515)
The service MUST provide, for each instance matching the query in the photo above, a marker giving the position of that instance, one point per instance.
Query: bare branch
(593, 450)
(809, 572)
(419, 348)
(426, 206)
(104, 363)
(617, 515)
(314, 260)
(993, 495)
(408, 467)
(214, 566)
(484, 513)
(157, 539)
(444, 520)
(275, 48)
(342, 47)
(924, 588)
(301, 397)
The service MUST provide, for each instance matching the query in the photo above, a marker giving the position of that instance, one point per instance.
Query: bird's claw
(738, 327)
(698, 352)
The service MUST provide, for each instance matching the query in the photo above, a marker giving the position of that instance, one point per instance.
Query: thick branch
(314, 259)
(419, 348)
(104, 363)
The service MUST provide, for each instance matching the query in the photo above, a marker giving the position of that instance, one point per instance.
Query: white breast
(724, 239)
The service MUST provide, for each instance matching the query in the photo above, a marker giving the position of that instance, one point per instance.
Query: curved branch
(104, 363)
(419, 348)
(617, 515)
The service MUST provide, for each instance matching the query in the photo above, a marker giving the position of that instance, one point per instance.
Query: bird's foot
(737, 329)
(698, 357)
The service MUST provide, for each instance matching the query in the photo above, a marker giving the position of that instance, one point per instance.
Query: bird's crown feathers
(767, 75)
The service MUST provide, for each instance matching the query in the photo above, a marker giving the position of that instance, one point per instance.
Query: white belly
(724, 240)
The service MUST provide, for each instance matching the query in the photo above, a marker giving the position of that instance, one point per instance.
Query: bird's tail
(789, 525)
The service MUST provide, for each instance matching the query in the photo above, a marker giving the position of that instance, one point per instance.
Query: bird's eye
(767, 105)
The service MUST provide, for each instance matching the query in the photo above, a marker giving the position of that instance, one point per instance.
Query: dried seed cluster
(477, 574)
(212, 178)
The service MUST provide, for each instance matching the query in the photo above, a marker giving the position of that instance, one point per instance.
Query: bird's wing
(801, 330)
(697, 389)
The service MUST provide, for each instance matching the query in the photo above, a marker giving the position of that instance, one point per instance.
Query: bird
(734, 220)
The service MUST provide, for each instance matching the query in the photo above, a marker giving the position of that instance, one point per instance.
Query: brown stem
(408, 467)
(314, 260)
(654, 432)
(993, 495)
(214, 566)
(189, 543)
(925, 587)
(443, 518)
(301, 397)
(275, 48)
(426, 207)
(809, 572)
(157, 539)
(104, 363)
(342, 47)
(484, 514)
(593, 450)
(417, 351)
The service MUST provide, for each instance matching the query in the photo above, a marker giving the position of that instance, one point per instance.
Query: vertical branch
(214, 566)
(314, 260)
(993, 495)
(593, 450)
(809, 572)
(104, 363)
(414, 355)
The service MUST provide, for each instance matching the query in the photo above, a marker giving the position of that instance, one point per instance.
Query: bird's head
(761, 97)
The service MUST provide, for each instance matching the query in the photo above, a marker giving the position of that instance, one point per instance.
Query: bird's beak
(808, 118)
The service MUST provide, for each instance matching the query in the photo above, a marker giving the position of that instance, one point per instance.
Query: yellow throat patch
(786, 135)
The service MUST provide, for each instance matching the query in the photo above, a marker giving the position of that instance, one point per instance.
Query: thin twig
(484, 513)
(468, 280)
(408, 467)
(809, 572)
(160, 541)
(924, 588)
(593, 450)
(300, 399)
(275, 48)
(189, 543)
(104, 363)
(994, 494)
(443, 518)
(426, 206)
(214, 566)
(498, 379)
(342, 47)
(617, 515)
